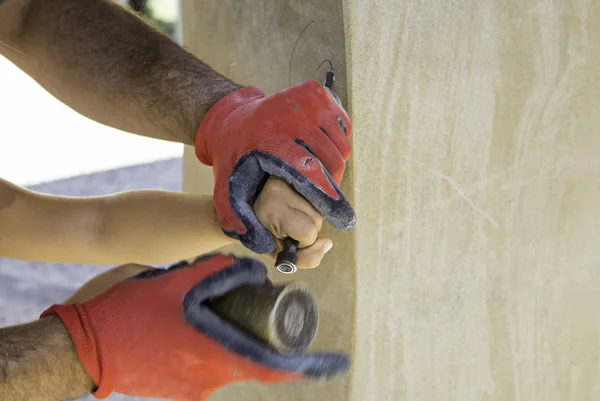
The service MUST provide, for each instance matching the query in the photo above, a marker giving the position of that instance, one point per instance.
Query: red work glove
(300, 134)
(153, 335)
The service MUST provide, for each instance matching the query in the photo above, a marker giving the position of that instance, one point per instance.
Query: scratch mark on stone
(456, 187)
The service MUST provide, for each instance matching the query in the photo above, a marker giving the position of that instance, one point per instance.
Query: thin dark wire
(323, 62)
(293, 50)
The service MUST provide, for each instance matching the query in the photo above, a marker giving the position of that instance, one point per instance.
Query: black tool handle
(288, 258)
(329, 79)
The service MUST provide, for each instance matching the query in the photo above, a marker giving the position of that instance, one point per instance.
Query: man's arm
(38, 362)
(109, 65)
(49, 359)
(144, 226)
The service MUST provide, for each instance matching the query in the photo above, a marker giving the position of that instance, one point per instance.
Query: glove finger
(310, 135)
(334, 130)
(342, 118)
(210, 275)
(319, 143)
(319, 365)
(242, 272)
(343, 121)
(315, 366)
(320, 105)
(181, 264)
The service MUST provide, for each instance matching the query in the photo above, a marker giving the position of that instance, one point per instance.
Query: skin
(108, 65)
(146, 226)
(38, 361)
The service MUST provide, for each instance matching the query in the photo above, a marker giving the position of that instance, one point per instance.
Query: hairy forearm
(38, 362)
(109, 65)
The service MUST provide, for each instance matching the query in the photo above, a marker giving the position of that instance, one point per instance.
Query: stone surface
(473, 273)
(252, 43)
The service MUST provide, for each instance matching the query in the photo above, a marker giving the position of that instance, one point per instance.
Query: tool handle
(288, 258)
(329, 79)
(328, 83)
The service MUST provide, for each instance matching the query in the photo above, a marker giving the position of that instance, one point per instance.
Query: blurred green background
(161, 13)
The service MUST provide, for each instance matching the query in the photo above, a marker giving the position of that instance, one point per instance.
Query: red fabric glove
(153, 335)
(300, 134)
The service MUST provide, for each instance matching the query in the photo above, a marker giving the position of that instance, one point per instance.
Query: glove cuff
(217, 117)
(80, 330)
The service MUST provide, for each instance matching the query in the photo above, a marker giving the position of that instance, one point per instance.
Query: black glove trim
(246, 271)
(249, 176)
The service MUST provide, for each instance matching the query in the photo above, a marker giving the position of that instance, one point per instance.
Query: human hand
(300, 134)
(285, 213)
(153, 335)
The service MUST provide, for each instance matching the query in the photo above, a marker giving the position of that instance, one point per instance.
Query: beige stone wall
(474, 271)
(251, 42)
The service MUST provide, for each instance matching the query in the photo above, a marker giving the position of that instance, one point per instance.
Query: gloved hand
(300, 134)
(153, 335)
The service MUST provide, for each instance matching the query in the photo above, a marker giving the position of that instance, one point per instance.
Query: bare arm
(38, 362)
(109, 65)
(144, 226)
